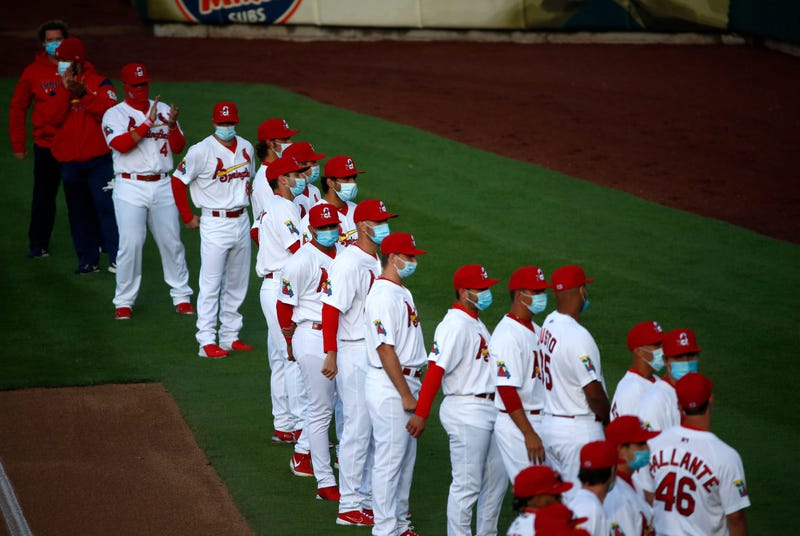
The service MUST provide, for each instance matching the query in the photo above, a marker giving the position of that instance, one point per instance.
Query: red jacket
(40, 85)
(79, 137)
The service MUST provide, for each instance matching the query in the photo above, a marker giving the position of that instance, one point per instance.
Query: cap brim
(488, 282)
(589, 280)
(577, 521)
(317, 157)
(289, 133)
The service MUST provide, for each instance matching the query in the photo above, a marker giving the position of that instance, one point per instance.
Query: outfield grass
(738, 290)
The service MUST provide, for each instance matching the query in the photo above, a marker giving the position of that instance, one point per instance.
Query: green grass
(736, 289)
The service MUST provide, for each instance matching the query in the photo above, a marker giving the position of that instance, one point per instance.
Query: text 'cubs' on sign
(237, 11)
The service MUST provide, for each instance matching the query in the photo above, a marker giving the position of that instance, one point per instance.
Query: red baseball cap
(302, 151)
(568, 277)
(643, 333)
(556, 519)
(71, 49)
(598, 455)
(322, 215)
(680, 341)
(275, 128)
(472, 276)
(694, 390)
(628, 429)
(224, 112)
(539, 480)
(135, 73)
(529, 278)
(341, 166)
(371, 210)
(400, 243)
(283, 166)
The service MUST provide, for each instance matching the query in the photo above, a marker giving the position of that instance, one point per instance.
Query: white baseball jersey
(310, 197)
(260, 192)
(571, 360)
(347, 227)
(218, 176)
(629, 393)
(460, 348)
(390, 317)
(523, 525)
(658, 407)
(350, 278)
(587, 504)
(304, 280)
(278, 229)
(514, 351)
(152, 154)
(626, 510)
(697, 480)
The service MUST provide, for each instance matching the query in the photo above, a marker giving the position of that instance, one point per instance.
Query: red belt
(316, 325)
(145, 178)
(227, 213)
(412, 373)
(490, 396)
(268, 276)
(528, 411)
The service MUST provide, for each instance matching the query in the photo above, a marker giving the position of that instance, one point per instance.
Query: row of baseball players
(341, 322)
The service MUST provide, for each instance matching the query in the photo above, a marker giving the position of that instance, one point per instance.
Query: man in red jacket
(86, 165)
(39, 85)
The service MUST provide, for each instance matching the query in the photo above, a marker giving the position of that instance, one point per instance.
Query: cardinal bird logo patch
(131, 124)
(323, 281)
(412, 316)
(220, 169)
(286, 287)
(379, 327)
(245, 155)
(292, 229)
(741, 487)
(587, 362)
(502, 370)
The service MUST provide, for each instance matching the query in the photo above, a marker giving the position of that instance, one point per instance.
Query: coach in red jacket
(40, 85)
(86, 166)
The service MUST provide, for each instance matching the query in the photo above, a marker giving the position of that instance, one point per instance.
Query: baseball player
(339, 189)
(396, 354)
(575, 403)
(299, 309)
(86, 164)
(658, 407)
(349, 280)
(644, 342)
(459, 363)
(217, 171)
(304, 152)
(274, 135)
(626, 509)
(537, 491)
(38, 85)
(143, 135)
(598, 462)
(696, 480)
(515, 356)
(279, 238)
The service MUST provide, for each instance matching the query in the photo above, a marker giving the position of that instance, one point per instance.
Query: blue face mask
(62, 67)
(679, 369)
(225, 133)
(641, 459)
(380, 232)
(348, 192)
(51, 47)
(299, 186)
(585, 305)
(314, 177)
(538, 303)
(327, 237)
(408, 269)
(484, 300)
(657, 363)
(281, 147)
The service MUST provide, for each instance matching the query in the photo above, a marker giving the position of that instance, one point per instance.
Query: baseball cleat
(368, 512)
(355, 517)
(330, 493)
(38, 253)
(112, 267)
(279, 437)
(87, 269)
(336, 463)
(212, 351)
(300, 464)
(239, 346)
(123, 313)
(409, 532)
(184, 308)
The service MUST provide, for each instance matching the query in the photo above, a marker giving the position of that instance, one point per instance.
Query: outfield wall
(771, 19)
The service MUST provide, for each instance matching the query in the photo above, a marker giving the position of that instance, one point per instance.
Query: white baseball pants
(477, 468)
(224, 275)
(563, 439)
(512, 443)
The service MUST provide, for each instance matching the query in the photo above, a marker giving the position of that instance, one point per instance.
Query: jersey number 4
(678, 496)
(163, 149)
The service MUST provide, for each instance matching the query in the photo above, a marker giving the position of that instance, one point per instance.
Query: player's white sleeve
(192, 165)
(449, 345)
(732, 486)
(287, 226)
(342, 284)
(507, 360)
(113, 125)
(382, 318)
(583, 362)
(292, 281)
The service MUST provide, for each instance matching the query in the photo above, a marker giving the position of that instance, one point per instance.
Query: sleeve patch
(502, 370)
(379, 327)
(107, 130)
(286, 287)
(587, 362)
(182, 167)
(292, 229)
(435, 348)
(327, 287)
(740, 485)
(616, 530)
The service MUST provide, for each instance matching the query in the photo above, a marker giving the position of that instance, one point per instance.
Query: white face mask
(63, 66)
(282, 147)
